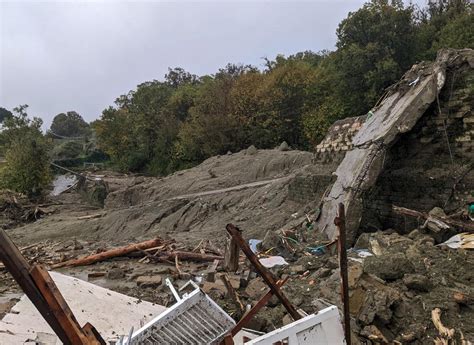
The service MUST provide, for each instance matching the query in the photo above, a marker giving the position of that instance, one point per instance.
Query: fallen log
(108, 254)
(466, 227)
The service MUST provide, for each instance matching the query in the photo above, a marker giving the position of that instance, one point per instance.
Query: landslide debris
(247, 189)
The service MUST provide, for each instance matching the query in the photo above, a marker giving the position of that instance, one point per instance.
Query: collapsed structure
(414, 149)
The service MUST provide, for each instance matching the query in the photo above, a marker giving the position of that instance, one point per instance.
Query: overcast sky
(60, 56)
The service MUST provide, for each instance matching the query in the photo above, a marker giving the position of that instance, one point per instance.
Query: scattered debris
(463, 240)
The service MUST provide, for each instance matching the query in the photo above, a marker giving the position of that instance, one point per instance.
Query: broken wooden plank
(231, 256)
(231, 293)
(90, 216)
(255, 309)
(182, 255)
(264, 273)
(340, 222)
(121, 251)
(19, 268)
(211, 271)
(446, 220)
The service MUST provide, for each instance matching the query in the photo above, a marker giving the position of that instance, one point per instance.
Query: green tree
(69, 124)
(4, 114)
(27, 162)
(376, 45)
(444, 24)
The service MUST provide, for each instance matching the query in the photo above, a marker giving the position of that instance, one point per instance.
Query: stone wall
(422, 170)
(340, 134)
(309, 188)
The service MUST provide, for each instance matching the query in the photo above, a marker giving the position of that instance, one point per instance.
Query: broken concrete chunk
(417, 282)
(251, 150)
(149, 281)
(284, 146)
(256, 289)
(373, 333)
(298, 269)
(389, 266)
(354, 273)
(115, 273)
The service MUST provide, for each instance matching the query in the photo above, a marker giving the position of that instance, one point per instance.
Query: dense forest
(166, 125)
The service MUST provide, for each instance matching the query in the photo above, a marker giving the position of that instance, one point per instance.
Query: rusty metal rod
(264, 273)
(255, 309)
(340, 222)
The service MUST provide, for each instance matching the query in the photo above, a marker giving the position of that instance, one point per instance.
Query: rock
(388, 266)
(287, 319)
(414, 234)
(323, 272)
(251, 150)
(417, 282)
(298, 269)
(437, 212)
(271, 240)
(115, 273)
(373, 333)
(284, 146)
(149, 281)
(208, 287)
(425, 240)
(256, 289)
(354, 273)
(363, 241)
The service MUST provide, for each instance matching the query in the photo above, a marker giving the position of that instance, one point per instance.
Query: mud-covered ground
(392, 291)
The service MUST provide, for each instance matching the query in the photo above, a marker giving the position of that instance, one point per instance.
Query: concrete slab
(397, 113)
(111, 313)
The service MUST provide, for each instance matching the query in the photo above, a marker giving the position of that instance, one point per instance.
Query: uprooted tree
(26, 153)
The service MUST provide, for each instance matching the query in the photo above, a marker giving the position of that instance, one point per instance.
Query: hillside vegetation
(163, 126)
(175, 123)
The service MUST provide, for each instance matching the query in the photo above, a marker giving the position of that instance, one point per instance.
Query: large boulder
(388, 266)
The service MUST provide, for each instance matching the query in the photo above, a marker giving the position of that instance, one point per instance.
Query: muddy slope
(248, 188)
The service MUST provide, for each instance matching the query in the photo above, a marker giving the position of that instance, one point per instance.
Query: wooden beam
(264, 273)
(462, 226)
(58, 305)
(19, 268)
(231, 293)
(108, 254)
(231, 256)
(40, 288)
(340, 222)
(255, 309)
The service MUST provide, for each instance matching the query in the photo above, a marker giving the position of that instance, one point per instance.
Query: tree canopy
(162, 126)
(27, 161)
(4, 114)
(69, 124)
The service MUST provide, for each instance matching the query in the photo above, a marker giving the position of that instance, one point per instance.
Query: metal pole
(340, 222)
(264, 273)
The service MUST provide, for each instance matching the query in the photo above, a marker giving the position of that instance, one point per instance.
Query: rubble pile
(16, 209)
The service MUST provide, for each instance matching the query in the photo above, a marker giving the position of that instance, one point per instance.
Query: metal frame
(323, 328)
